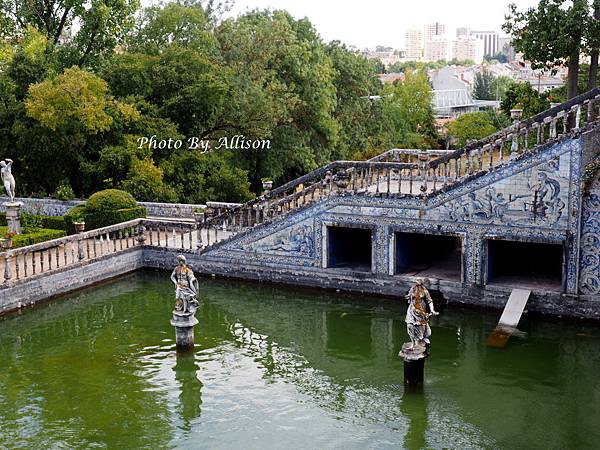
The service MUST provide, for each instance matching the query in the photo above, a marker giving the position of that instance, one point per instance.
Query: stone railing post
(141, 235)
(7, 265)
(79, 249)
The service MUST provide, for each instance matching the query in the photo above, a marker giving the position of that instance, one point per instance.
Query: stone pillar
(184, 323)
(13, 216)
(414, 364)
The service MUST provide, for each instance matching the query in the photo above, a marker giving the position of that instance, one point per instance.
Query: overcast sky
(368, 23)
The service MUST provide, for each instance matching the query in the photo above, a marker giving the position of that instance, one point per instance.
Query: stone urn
(267, 185)
(209, 212)
(342, 179)
(79, 226)
(516, 113)
(6, 243)
(199, 217)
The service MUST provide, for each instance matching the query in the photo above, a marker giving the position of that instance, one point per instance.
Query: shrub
(48, 222)
(53, 222)
(104, 208)
(41, 235)
(31, 222)
(145, 182)
(64, 191)
(95, 220)
(110, 200)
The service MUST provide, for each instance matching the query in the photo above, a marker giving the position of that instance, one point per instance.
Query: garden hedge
(41, 235)
(53, 223)
(101, 219)
(48, 222)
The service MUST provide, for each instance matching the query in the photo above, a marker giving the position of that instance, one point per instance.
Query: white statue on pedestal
(7, 178)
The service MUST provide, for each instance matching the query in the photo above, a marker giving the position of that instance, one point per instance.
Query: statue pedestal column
(13, 216)
(184, 323)
(414, 363)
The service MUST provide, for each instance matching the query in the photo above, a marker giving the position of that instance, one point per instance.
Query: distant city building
(463, 32)
(433, 29)
(505, 47)
(438, 48)
(387, 57)
(453, 93)
(435, 43)
(468, 48)
(392, 78)
(414, 45)
(490, 41)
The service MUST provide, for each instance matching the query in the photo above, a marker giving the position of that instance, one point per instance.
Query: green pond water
(285, 368)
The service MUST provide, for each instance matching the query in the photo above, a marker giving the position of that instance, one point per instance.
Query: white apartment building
(490, 41)
(437, 48)
(435, 43)
(414, 45)
(468, 48)
(433, 29)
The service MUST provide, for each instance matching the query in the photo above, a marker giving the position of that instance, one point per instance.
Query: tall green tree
(593, 44)
(484, 86)
(185, 25)
(524, 96)
(354, 82)
(82, 30)
(471, 126)
(407, 119)
(551, 35)
(283, 90)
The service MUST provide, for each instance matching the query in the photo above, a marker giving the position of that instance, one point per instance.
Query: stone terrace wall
(47, 285)
(52, 207)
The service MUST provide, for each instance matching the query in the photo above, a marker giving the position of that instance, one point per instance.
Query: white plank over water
(514, 307)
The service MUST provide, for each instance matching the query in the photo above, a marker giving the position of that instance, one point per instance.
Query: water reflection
(320, 370)
(414, 408)
(190, 389)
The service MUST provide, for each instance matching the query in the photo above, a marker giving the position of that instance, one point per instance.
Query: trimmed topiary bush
(104, 208)
(110, 200)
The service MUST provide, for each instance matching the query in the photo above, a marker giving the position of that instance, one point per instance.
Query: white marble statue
(7, 178)
(420, 309)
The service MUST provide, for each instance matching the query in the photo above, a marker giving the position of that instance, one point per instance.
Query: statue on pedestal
(186, 303)
(420, 309)
(7, 178)
(186, 287)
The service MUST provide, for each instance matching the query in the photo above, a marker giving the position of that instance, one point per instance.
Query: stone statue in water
(186, 287)
(7, 178)
(420, 309)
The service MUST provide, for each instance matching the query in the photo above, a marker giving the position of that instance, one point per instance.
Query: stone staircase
(406, 174)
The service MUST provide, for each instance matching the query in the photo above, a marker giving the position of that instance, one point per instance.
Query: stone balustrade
(21, 264)
(407, 155)
(397, 173)
(523, 137)
(406, 172)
